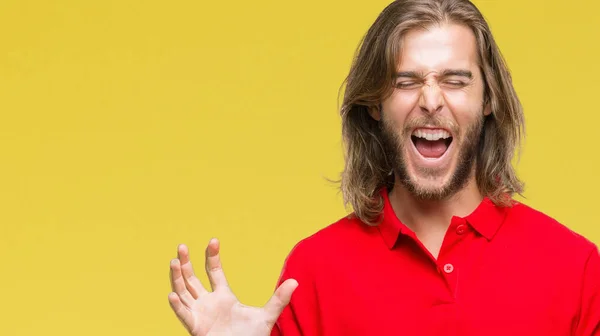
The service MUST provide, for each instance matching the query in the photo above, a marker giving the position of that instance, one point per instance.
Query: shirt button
(448, 268)
(461, 229)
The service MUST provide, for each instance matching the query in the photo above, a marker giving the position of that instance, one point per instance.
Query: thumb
(280, 299)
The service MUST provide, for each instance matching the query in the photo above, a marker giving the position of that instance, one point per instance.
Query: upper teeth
(431, 135)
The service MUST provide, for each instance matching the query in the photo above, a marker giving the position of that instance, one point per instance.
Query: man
(436, 245)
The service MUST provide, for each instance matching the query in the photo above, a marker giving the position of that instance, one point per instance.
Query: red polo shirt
(501, 271)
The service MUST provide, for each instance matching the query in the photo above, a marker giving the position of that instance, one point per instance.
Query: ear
(487, 109)
(375, 112)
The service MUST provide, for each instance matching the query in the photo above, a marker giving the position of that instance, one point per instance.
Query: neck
(428, 216)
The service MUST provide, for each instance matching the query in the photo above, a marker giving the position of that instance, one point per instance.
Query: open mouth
(431, 143)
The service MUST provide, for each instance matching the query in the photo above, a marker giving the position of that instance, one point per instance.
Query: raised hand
(219, 312)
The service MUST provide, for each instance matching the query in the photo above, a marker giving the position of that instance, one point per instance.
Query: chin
(429, 187)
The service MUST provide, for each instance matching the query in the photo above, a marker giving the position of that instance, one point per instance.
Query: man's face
(433, 120)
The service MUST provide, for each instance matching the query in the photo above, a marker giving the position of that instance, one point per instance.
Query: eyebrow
(460, 73)
(444, 73)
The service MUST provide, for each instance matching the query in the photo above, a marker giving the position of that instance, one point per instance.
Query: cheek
(465, 109)
(458, 99)
(398, 106)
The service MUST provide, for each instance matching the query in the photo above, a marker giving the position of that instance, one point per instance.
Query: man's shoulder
(534, 222)
(347, 227)
(344, 231)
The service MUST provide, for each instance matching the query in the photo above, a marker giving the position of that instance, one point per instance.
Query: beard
(467, 147)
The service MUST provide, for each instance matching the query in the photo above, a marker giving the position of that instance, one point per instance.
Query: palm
(219, 312)
(222, 314)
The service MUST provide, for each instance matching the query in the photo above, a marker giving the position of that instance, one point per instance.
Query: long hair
(370, 81)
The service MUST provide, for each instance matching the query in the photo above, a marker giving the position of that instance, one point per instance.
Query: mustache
(431, 121)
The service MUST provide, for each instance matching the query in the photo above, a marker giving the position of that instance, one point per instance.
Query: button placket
(449, 273)
(449, 259)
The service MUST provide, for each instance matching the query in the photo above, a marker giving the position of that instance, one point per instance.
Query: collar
(486, 219)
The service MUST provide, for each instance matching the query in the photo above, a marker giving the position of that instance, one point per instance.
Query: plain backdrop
(127, 127)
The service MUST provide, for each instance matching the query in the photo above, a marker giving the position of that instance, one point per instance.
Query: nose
(431, 100)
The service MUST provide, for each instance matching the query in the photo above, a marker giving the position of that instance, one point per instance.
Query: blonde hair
(367, 167)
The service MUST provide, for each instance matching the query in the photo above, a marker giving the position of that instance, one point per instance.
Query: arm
(589, 317)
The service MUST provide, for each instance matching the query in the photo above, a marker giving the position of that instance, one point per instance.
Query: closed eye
(455, 84)
(407, 85)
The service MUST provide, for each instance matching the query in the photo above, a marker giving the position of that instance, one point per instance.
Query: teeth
(431, 135)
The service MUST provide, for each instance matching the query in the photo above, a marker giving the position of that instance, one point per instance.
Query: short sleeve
(300, 317)
(589, 317)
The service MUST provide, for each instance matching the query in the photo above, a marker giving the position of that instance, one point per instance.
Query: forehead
(439, 47)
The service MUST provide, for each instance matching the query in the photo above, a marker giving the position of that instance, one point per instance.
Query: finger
(213, 266)
(280, 299)
(178, 284)
(183, 314)
(193, 284)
